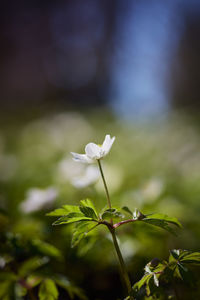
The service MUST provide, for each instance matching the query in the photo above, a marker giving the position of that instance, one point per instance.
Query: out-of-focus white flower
(38, 198)
(78, 175)
(2, 262)
(148, 193)
(90, 176)
(129, 248)
(67, 169)
(94, 152)
(153, 188)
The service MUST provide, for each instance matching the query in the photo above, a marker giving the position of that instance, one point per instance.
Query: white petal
(93, 151)
(83, 158)
(107, 144)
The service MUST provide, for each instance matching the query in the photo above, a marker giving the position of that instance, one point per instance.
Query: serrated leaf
(71, 218)
(57, 212)
(165, 218)
(71, 208)
(162, 221)
(184, 256)
(48, 290)
(64, 210)
(81, 231)
(172, 261)
(190, 257)
(88, 209)
(46, 248)
(183, 272)
(111, 213)
(137, 286)
(88, 203)
(149, 284)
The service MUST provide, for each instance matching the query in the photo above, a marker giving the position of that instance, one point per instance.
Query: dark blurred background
(137, 57)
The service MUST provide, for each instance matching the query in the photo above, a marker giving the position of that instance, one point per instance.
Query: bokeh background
(71, 72)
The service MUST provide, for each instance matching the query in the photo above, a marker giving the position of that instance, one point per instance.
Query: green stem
(124, 272)
(111, 228)
(104, 182)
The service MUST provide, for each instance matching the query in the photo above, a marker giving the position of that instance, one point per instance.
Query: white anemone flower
(94, 152)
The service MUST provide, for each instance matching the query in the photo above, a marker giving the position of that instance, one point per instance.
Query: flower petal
(107, 144)
(93, 151)
(83, 158)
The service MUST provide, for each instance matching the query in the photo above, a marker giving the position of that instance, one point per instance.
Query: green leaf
(86, 245)
(111, 213)
(183, 271)
(174, 255)
(58, 212)
(6, 290)
(33, 280)
(126, 209)
(71, 218)
(137, 286)
(81, 231)
(7, 276)
(88, 209)
(65, 210)
(32, 264)
(190, 257)
(165, 218)
(88, 203)
(20, 291)
(158, 268)
(48, 290)
(46, 248)
(150, 284)
(72, 289)
(162, 221)
(184, 256)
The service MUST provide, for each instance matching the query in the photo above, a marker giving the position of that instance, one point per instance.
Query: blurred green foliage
(152, 166)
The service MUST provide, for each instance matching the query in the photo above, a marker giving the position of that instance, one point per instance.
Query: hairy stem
(104, 182)
(123, 270)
